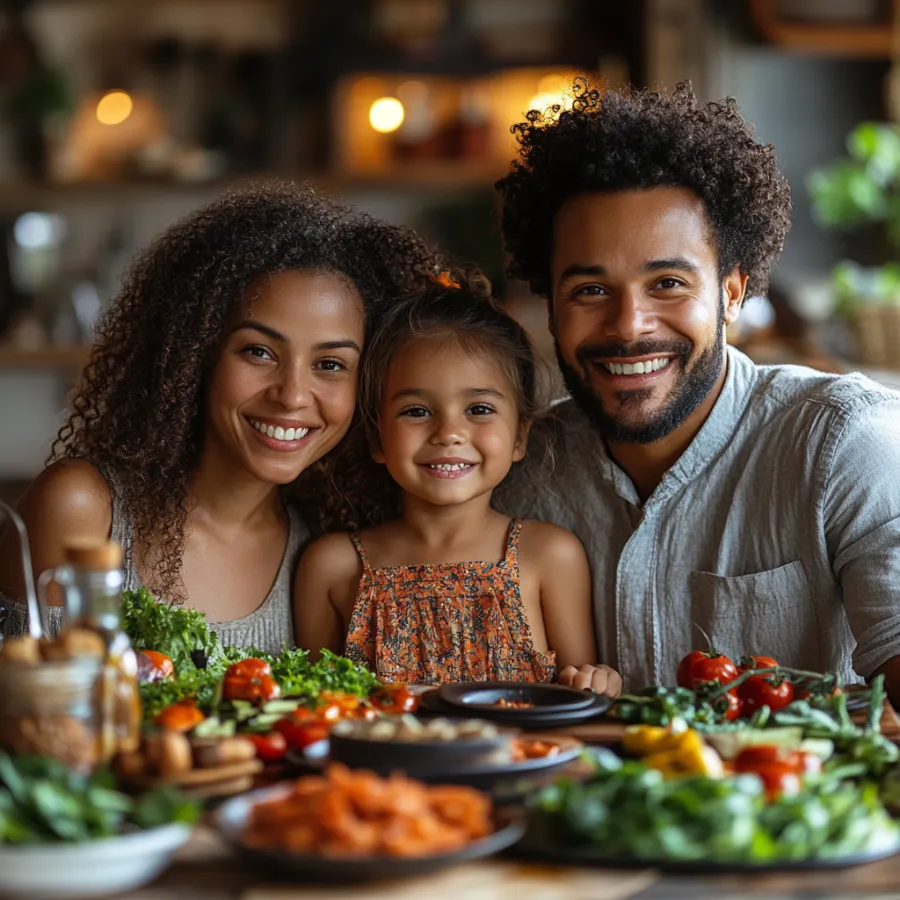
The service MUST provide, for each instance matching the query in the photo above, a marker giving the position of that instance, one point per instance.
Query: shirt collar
(714, 434)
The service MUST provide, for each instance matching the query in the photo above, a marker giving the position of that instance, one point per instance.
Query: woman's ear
(521, 446)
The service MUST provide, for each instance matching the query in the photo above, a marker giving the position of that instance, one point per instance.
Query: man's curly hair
(638, 139)
(138, 413)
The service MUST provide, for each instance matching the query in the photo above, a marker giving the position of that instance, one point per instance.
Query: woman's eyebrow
(262, 329)
(338, 345)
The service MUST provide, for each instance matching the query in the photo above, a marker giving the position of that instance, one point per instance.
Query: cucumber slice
(730, 743)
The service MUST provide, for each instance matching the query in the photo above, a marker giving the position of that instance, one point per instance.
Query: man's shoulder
(796, 390)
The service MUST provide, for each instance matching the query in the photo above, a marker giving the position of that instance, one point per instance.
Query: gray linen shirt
(777, 531)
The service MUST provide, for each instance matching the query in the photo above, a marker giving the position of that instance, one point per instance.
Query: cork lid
(94, 554)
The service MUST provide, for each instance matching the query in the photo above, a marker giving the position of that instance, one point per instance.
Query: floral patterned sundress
(446, 622)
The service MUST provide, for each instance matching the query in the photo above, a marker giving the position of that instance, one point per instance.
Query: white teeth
(638, 368)
(449, 467)
(279, 433)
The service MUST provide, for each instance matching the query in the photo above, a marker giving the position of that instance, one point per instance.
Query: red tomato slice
(269, 747)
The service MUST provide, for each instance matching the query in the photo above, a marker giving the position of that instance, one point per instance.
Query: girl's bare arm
(324, 591)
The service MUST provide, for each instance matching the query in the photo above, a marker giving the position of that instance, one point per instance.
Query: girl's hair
(138, 413)
(456, 307)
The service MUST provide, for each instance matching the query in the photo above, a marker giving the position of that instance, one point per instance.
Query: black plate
(231, 817)
(541, 850)
(417, 758)
(431, 702)
(545, 697)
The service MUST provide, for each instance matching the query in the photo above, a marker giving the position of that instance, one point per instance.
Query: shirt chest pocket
(767, 613)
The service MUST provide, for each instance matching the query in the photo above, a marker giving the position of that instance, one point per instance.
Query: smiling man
(761, 504)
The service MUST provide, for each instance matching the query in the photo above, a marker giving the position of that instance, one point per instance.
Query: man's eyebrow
(676, 262)
(578, 269)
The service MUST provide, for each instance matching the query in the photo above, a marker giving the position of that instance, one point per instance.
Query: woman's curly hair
(138, 413)
(638, 139)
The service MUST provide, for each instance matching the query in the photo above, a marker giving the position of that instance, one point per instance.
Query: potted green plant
(853, 193)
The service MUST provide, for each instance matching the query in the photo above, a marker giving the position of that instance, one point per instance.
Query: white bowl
(91, 868)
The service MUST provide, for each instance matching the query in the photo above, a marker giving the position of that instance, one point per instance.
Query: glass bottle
(92, 580)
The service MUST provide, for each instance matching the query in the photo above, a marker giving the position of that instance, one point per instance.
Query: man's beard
(691, 388)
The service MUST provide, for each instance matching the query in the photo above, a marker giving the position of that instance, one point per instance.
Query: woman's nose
(292, 388)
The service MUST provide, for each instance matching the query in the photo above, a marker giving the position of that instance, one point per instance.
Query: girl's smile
(450, 427)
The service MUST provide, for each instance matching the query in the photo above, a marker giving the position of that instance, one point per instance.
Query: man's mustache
(587, 353)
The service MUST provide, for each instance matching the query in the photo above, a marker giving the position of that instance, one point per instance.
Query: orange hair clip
(444, 280)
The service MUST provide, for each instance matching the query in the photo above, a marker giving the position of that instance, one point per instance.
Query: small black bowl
(543, 697)
(418, 757)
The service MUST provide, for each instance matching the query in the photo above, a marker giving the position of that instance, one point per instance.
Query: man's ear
(520, 448)
(734, 289)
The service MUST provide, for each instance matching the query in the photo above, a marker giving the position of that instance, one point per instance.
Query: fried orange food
(531, 748)
(357, 813)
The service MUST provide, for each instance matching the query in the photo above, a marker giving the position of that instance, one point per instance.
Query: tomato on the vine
(762, 690)
(756, 662)
(252, 667)
(699, 666)
(256, 689)
(269, 747)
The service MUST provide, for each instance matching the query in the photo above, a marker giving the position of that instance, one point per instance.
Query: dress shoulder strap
(357, 543)
(512, 543)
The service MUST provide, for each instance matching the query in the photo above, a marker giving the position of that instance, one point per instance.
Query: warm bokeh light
(114, 108)
(544, 101)
(554, 84)
(386, 114)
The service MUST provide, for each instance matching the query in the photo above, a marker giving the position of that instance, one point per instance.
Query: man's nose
(631, 316)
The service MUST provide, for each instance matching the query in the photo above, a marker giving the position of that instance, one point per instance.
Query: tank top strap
(512, 545)
(357, 543)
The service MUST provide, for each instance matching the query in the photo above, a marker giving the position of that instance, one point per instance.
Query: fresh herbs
(629, 811)
(183, 635)
(42, 801)
(177, 631)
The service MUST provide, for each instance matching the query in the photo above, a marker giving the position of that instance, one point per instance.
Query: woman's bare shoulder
(74, 494)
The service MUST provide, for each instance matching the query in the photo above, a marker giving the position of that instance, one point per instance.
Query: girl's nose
(449, 430)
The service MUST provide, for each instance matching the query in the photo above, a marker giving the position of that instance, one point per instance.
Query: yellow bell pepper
(674, 752)
(641, 740)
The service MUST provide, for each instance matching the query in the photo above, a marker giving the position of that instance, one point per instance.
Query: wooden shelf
(72, 358)
(848, 39)
(409, 177)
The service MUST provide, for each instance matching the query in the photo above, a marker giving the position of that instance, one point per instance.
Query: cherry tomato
(154, 666)
(756, 662)
(733, 706)
(269, 747)
(347, 703)
(778, 780)
(249, 668)
(300, 732)
(750, 758)
(761, 690)
(806, 695)
(394, 698)
(181, 716)
(255, 689)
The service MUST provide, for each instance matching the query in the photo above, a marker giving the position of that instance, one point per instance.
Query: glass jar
(53, 709)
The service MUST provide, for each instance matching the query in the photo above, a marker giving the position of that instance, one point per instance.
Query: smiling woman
(225, 368)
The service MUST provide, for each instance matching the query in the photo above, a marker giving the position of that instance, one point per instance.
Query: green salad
(200, 659)
(626, 810)
(42, 801)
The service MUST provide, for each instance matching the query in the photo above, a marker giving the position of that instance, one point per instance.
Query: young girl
(225, 368)
(452, 590)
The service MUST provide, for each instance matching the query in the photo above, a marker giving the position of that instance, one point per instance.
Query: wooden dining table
(208, 868)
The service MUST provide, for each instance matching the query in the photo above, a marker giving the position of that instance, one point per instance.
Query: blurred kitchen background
(116, 118)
